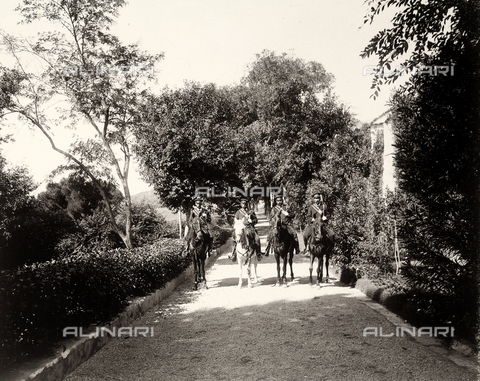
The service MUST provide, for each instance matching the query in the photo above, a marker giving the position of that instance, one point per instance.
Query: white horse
(245, 253)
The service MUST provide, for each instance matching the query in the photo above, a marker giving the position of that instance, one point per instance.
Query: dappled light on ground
(223, 291)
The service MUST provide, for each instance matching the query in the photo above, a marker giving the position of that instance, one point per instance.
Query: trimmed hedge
(38, 301)
(220, 235)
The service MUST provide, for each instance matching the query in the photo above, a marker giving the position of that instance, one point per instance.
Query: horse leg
(240, 268)
(312, 259)
(284, 274)
(327, 260)
(202, 264)
(277, 258)
(255, 263)
(249, 272)
(290, 261)
(320, 269)
(195, 271)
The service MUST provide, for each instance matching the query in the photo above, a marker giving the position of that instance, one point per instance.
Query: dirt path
(297, 332)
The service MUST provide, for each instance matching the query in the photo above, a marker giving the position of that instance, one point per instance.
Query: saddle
(320, 234)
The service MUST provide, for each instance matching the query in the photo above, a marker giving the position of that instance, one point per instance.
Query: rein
(243, 247)
(318, 234)
(281, 232)
(193, 243)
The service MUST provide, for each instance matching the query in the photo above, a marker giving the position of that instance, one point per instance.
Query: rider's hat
(317, 195)
(197, 198)
(278, 197)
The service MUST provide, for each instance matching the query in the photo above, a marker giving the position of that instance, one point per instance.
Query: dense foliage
(272, 130)
(65, 219)
(38, 301)
(282, 126)
(435, 118)
(28, 232)
(363, 220)
(439, 166)
(297, 117)
(186, 141)
(76, 74)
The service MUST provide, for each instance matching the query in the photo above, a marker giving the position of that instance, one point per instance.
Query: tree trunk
(179, 224)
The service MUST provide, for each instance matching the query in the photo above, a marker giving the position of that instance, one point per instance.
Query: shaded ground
(297, 332)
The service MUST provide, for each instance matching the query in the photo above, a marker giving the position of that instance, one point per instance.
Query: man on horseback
(316, 210)
(200, 219)
(249, 219)
(280, 212)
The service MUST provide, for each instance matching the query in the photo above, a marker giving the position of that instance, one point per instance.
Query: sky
(214, 41)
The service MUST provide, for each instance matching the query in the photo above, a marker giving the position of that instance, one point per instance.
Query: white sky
(215, 40)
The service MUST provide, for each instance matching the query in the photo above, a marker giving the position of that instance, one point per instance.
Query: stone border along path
(460, 354)
(80, 350)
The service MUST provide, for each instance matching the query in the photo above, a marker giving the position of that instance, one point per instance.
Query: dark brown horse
(197, 246)
(283, 247)
(320, 246)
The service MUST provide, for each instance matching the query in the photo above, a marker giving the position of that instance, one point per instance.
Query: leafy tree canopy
(93, 80)
(421, 29)
(187, 142)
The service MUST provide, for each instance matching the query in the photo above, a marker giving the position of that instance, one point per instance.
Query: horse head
(318, 233)
(239, 232)
(194, 238)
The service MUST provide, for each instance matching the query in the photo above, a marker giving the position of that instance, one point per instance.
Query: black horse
(283, 247)
(320, 246)
(197, 246)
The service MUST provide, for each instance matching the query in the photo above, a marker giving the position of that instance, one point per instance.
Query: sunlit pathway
(297, 332)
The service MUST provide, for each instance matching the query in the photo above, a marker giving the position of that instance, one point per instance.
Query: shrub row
(38, 301)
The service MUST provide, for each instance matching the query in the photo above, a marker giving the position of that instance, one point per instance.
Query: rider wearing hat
(249, 218)
(279, 211)
(316, 209)
(200, 219)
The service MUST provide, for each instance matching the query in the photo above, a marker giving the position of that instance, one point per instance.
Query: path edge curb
(81, 350)
(375, 297)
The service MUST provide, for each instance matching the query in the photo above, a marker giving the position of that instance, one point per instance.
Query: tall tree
(297, 117)
(435, 118)
(96, 79)
(421, 29)
(187, 141)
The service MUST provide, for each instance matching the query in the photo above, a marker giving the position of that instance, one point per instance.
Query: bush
(94, 232)
(364, 228)
(148, 225)
(221, 232)
(38, 301)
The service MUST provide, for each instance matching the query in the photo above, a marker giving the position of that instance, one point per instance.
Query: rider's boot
(306, 251)
(233, 256)
(297, 247)
(267, 250)
(184, 251)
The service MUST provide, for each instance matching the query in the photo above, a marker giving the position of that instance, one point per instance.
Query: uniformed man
(279, 211)
(200, 219)
(249, 219)
(316, 209)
